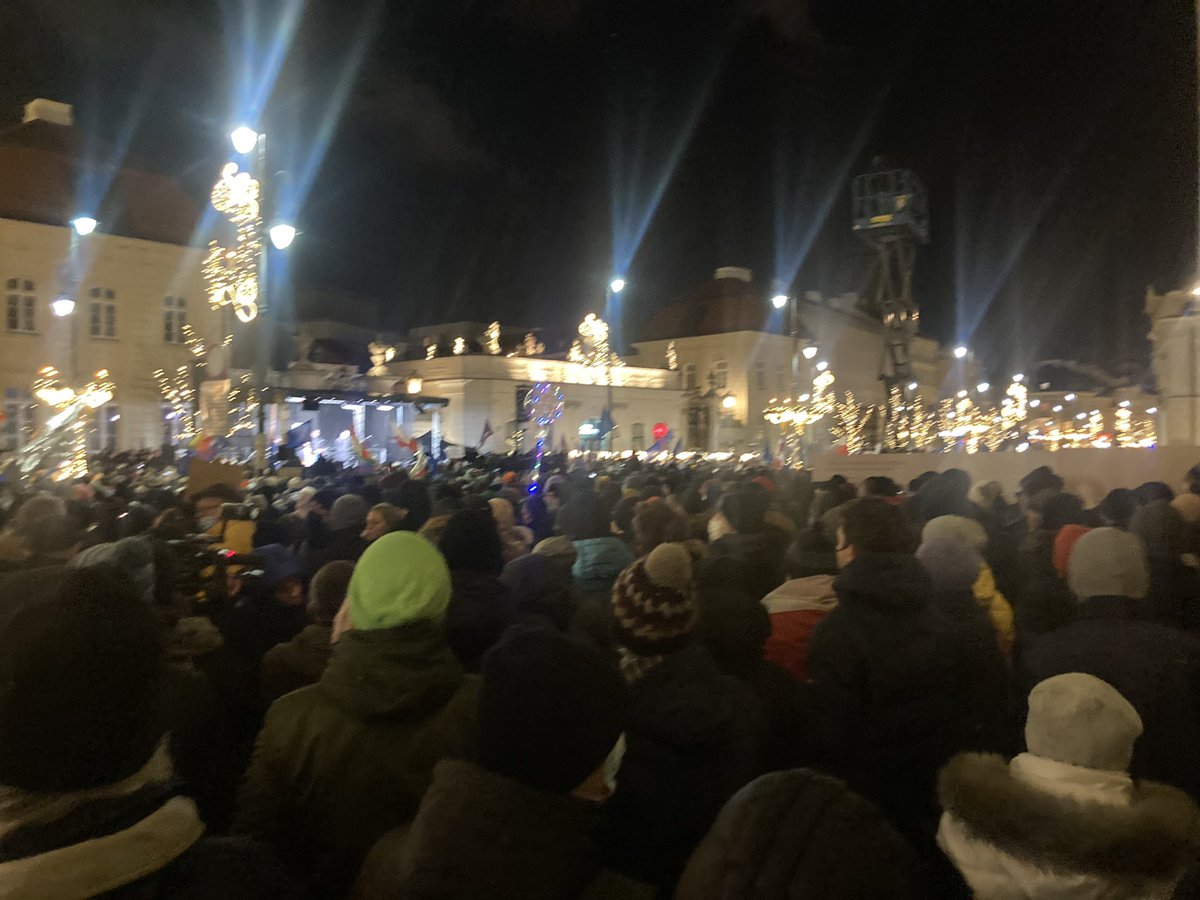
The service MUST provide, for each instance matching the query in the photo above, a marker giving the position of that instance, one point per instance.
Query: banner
(214, 407)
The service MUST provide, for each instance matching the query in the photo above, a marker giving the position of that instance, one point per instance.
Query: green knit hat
(401, 578)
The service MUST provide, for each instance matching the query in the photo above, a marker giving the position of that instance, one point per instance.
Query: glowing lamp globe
(729, 402)
(810, 351)
(617, 285)
(779, 301)
(413, 385)
(282, 234)
(244, 138)
(960, 352)
(62, 307)
(84, 225)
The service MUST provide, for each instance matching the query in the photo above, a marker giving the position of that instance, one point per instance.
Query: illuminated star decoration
(231, 273)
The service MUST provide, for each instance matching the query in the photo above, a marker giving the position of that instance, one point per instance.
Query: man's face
(289, 592)
(845, 552)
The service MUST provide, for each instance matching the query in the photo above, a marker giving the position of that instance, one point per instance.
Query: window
(102, 313)
(689, 377)
(19, 420)
(760, 376)
(638, 436)
(174, 319)
(721, 375)
(20, 305)
(104, 431)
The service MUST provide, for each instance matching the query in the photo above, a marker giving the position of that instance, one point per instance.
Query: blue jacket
(599, 562)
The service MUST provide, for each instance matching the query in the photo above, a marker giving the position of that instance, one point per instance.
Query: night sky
(500, 158)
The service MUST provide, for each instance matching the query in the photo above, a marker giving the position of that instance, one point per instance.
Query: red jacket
(795, 608)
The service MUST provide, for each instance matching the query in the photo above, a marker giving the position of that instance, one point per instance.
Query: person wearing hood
(1174, 577)
(89, 805)
(342, 761)
(694, 735)
(896, 689)
(1154, 666)
(539, 590)
(600, 555)
(1065, 819)
(524, 819)
(344, 526)
(738, 531)
(799, 604)
(480, 606)
(299, 662)
(984, 590)
(799, 833)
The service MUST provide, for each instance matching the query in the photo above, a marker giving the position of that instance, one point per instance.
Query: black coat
(898, 689)
(693, 739)
(343, 544)
(1174, 592)
(479, 612)
(1154, 666)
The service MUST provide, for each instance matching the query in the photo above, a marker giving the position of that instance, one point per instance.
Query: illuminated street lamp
(810, 351)
(243, 138)
(982, 387)
(617, 284)
(728, 402)
(960, 352)
(84, 225)
(779, 301)
(62, 307)
(282, 234)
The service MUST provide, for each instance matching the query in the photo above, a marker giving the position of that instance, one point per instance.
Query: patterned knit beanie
(654, 602)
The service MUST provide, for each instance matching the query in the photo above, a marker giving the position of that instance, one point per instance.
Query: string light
(491, 339)
(592, 350)
(672, 357)
(231, 273)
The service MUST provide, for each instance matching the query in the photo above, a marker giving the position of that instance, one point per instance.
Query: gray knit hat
(1108, 562)
(953, 565)
(1081, 720)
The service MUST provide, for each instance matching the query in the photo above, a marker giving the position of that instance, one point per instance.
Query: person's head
(1117, 508)
(327, 591)
(777, 831)
(733, 625)
(744, 509)
(471, 543)
(1108, 562)
(551, 714)
(658, 522)
(871, 525)
(582, 518)
(1162, 529)
(880, 486)
(1051, 510)
(957, 528)
(1040, 481)
(986, 494)
(810, 554)
(1064, 543)
(321, 504)
(381, 518)
(348, 513)
(1188, 506)
(55, 536)
(654, 602)
(1082, 721)
(503, 512)
(953, 564)
(400, 579)
(622, 517)
(281, 574)
(38, 506)
(83, 672)
(1153, 490)
(209, 501)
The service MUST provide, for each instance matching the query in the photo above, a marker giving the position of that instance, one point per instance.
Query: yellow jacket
(997, 608)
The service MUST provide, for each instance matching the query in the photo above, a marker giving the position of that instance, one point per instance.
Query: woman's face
(376, 527)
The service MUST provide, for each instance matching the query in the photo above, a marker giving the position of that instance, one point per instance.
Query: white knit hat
(1081, 720)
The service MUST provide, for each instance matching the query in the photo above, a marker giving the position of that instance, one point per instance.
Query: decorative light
(531, 346)
(810, 351)
(491, 339)
(962, 394)
(822, 366)
(244, 138)
(1018, 378)
(1058, 407)
(430, 350)
(62, 307)
(460, 346)
(1196, 290)
(728, 402)
(84, 225)
(617, 285)
(592, 350)
(960, 352)
(912, 385)
(1124, 404)
(672, 357)
(231, 273)
(779, 301)
(1035, 403)
(413, 385)
(1152, 410)
(1070, 398)
(282, 234)
(983, 387)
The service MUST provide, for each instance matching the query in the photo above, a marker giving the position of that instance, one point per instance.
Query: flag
(359, 450)
(678, 447)
(403, 440)
(663, 443)
(487, 433)
(203, 445)
(766, 450)
(606, 422)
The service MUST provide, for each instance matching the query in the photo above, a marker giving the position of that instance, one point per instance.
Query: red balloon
(660, 430)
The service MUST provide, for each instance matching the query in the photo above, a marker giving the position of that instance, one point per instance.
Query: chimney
(41, 110)
(737, 273)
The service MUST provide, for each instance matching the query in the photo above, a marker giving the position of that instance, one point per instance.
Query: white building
(135, 280)
(730, 342)
(487, 389)
(1175, 336)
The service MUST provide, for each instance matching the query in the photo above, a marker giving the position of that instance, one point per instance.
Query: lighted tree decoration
(381, 354)
(672, 357)
(460, 346)
(531, 346)
(543, 407)
(231, 273)
(177, 392)
(491, 339)
(62, 440)
(592, 349)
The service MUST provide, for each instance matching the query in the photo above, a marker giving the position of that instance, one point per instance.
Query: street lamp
(243, 138)
(62, 307)
(982, 387)
(84, 225)
(282, 234)
(617, 285)
(779, 301)
(822, 366)
(728, 402)
(811, 351)
(960, 352)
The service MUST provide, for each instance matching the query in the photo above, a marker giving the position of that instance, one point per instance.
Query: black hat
(550, 709)
(81, 683)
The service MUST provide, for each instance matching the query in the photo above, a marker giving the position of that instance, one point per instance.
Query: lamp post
(615, 286)
(246, 141)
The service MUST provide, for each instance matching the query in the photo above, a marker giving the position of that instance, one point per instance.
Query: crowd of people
(606, 680)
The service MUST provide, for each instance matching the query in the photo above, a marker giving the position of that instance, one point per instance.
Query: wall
(141, 274)
(1175, 335)
(1089, 473)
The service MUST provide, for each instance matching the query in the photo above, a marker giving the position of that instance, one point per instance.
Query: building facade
(135, 281)
(1175, 336)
